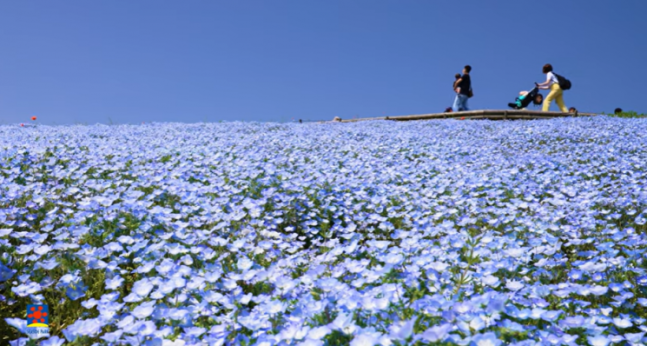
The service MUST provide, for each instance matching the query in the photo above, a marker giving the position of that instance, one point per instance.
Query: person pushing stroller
(525, 97)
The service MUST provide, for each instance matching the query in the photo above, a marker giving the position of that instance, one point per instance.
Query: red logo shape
(37, 315)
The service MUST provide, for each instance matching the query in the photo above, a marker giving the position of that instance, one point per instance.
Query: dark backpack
(564, 83)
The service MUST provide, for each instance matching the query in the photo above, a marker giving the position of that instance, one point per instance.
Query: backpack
(564, 83)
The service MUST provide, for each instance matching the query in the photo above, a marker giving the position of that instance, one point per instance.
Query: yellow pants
(556, 94)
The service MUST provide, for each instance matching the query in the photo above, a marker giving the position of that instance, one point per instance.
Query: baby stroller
(523, 100)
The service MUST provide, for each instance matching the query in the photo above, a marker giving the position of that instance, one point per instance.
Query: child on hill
(525, 97)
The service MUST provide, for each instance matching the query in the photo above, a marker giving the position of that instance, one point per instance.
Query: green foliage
(628, 114)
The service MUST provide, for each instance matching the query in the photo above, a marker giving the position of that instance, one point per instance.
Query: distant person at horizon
(617, 111)
(572, 110)
(463, 90)
(556, 93)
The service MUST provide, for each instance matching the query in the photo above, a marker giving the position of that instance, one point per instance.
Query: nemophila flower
(436, 333)
(599, 340)
(634, 338)
(114, 283)
(550, 316)
(642, 281)
(575, 274)
(598, 290)
(491, 280)
(76, 291)
(616, 287)
(18, 323)
(318, 333)
(402, 330)
(26, 289)
(366, 338)
(142, 287)
(597, 277)
(244, 263)
(90, 303)
(514, 285)
(622, 322)
(603, 320)
(437, 198)
(53, 341)
(572, 322)
(5, 273)
(146, 328)
(144, 310)
(463, 308)
(486, 339)
(90, 327)
(310, 342)
(477, 323)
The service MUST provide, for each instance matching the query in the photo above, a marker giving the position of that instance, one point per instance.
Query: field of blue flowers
(373, 233)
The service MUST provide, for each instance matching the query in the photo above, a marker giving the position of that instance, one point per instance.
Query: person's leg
(550, 97)
(560, 101)
(462, 100)
(465, 98)
(456, 104)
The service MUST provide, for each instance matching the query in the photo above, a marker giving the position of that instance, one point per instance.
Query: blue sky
(274, 60)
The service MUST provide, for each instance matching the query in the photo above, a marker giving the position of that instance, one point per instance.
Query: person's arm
(457, 88)
(545, 84)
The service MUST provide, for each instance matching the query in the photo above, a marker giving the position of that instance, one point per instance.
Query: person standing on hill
(556, 93)
(463, 90)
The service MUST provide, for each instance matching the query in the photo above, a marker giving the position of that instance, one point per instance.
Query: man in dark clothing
(463, 90)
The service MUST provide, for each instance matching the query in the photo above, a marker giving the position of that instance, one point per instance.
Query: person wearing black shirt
(463, 90)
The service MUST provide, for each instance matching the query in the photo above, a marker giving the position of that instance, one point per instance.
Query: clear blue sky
(273, 60)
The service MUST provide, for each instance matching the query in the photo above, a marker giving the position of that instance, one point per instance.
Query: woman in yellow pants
(556, 93)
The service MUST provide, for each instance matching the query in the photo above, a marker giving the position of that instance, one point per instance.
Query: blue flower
(551, 316)
(144, 310)
(18, 323)
(114, 283)
(599, 340)
(53, 341)
(634, 338)
(26, 289)
(142, 287)
(76, 291)
(90, 327)
(622, 322)
(5, 273)
(514, 285)
(642, 280)
(436, 333)
(597, 277)
(575, 274)
(487, 339)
